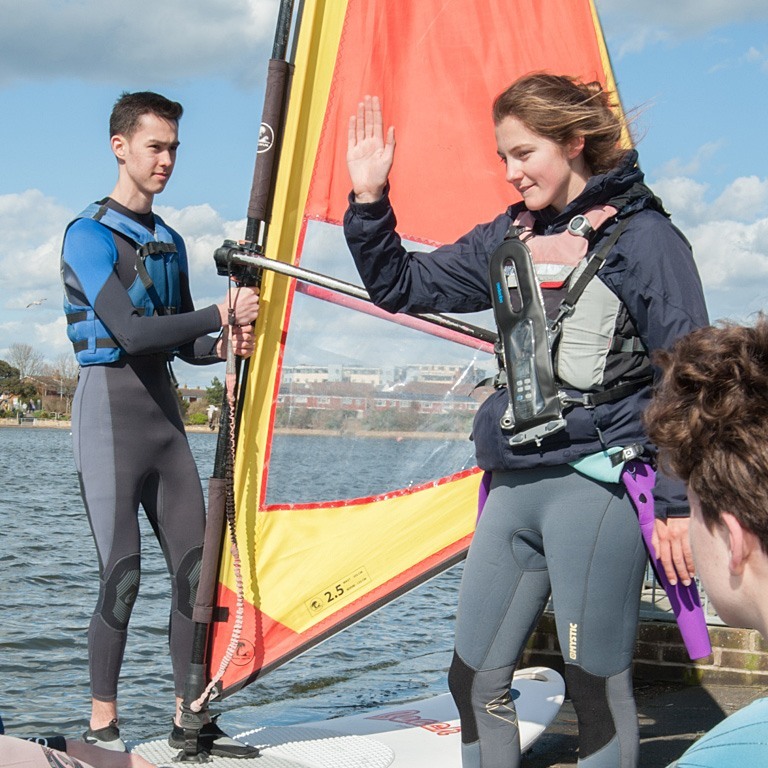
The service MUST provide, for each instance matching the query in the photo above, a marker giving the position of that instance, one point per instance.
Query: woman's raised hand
(369, 154)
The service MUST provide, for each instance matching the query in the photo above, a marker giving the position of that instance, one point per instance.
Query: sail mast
(220, 487)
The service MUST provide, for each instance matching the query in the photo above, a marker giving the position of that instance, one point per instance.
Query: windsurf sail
(330, 526)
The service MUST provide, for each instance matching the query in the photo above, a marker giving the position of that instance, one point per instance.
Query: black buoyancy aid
(541, 356)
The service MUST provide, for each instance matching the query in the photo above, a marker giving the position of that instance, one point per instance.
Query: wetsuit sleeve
(202, 351)
(452, 278)
(88, 258)
(662, 291)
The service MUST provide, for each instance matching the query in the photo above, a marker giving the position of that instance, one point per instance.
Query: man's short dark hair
(131, 107)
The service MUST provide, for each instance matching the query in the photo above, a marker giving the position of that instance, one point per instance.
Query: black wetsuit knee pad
(187, 579)
(118, 592)
(589, 694)
(460, 680)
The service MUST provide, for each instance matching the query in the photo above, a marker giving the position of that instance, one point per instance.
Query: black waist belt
(619, 392)
(78, 317)
(83, 344)
(587, 399)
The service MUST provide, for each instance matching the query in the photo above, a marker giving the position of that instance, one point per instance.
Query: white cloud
(31, 228)
(52, 337)
(28, 217)
(743, 199)
(691, 166)
(758, 58)
(203, 230)
(728, 230)
(731, 254)
(684, 16)
(684, 196)
(752, 57)
(9, 328)
(635, 25)
(154, 41)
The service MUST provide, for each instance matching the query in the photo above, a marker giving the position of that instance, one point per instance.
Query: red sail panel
(437, 67)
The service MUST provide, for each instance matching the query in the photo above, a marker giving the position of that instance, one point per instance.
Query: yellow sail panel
(389, 534)
(320, 29)
(610, 81)
(326, 532)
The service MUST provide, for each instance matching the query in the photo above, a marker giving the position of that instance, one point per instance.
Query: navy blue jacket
(651, 269)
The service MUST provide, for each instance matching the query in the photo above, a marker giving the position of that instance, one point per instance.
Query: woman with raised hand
(557, 521)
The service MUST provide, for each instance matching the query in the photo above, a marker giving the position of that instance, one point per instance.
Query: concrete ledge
(739, 656)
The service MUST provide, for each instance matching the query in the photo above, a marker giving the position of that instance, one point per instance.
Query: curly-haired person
(709, 419)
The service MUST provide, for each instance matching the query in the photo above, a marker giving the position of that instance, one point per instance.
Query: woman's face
(542, 171)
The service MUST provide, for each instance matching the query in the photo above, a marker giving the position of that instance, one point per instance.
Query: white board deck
(411, 735)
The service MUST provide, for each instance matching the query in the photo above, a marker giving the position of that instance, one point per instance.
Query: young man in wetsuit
(129, 312)
(709, 417)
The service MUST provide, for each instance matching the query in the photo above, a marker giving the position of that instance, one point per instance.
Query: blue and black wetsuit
(547, 528)
(129, 440)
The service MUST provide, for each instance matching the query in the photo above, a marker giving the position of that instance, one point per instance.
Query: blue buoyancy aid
(156, 289)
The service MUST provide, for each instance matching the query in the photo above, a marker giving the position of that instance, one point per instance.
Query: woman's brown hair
(561, 108)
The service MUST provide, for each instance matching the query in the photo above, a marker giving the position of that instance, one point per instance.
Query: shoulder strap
(146, 245)
(568, 303)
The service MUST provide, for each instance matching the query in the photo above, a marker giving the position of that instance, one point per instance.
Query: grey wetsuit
(131, 449)
(550, 530)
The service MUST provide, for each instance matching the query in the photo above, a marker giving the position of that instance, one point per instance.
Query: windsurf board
(410, 735)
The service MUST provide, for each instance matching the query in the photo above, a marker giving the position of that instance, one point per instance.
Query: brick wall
(739, 656)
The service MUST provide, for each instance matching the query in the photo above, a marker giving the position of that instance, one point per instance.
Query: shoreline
(60, 424)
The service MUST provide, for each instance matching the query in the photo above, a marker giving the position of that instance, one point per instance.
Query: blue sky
(697, 71)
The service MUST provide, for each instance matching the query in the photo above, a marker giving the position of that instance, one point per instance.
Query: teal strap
(599, 466)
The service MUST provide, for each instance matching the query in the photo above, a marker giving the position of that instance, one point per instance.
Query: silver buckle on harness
(629, 453)
(537, 433)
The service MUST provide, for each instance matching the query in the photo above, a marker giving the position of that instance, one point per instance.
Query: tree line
(29, 382)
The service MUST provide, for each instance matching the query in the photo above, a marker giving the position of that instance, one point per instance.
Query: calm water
(48, 587)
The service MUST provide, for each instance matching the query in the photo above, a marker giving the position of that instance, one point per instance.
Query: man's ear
(118, 143)
(741, 542)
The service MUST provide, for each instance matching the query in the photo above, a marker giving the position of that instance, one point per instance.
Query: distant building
(48, 386)
(422, 397)
(383, 376)
(190, 395)
(437, 374)
(328, 396)
(424, 402)
(311, 374)
(358, 374)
